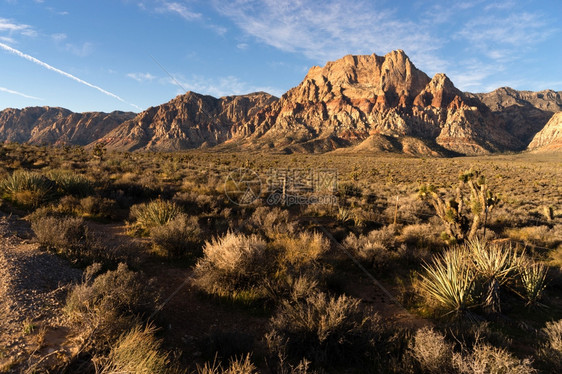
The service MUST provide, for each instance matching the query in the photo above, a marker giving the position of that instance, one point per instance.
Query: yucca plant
(155, 213)
(533, 278)
(70, 183)
(26, 188)
(495, 264)
(449, 280)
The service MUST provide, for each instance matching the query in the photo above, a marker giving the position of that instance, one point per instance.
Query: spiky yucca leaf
(533, 278)
(495, 264)
(449, 280)
(155, 213)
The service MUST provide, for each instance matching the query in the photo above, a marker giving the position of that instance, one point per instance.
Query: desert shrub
(377, 248)
(551, 351)
(421, 235)
(137, 351)
(155, 213)
(538, 235)
(272, 221)
(297, 266)
(70, 183)
(68, 236)
(232, 265)
(177, 237)
(107, 305)
(431, 351)
(326, 330)
(96, 206)
(485, 358)
(28, 189)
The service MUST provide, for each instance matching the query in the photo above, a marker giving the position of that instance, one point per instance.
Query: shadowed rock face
(524, 112)
(364, 103)
(550, 137)
(46, 125)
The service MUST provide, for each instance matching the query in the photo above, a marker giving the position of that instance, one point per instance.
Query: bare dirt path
(33, 285)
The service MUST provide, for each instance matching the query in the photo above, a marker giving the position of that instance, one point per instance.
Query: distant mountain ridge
(365, 103)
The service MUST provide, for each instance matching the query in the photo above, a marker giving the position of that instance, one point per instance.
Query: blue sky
(131, 54)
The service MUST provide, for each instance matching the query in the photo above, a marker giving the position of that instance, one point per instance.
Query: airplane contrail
(4, 89)
(47, 66)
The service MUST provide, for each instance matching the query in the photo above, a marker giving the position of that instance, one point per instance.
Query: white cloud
(61, 72)
(216, 86)
(330, 29)
(141, 77)
(180, 9)
(11, 28)
(3, 89)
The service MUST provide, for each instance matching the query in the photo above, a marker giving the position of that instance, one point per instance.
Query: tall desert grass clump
(155, 213)
(233, 264)
(28, 189)
(137, 351)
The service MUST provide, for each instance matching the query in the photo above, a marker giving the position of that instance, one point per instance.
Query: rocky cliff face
(358, 103)
(524, 112)
(352, 99)
(188, 121)
(550, 137)
(47, 125)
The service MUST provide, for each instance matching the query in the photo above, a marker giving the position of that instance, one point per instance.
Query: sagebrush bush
(155, 213)
(326, 330)
(272, 221)
(66, 235)
(28, 189)
(106, 305)
(431, 351)
(485, 358)
(178, 237)
(232, 264)
(98, 207)
(377, 248)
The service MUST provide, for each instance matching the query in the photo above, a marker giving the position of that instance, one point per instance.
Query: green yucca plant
(533, 279)
(449, 280)
(495, 264)
(26, 188)
(155, 213)
(70, 183)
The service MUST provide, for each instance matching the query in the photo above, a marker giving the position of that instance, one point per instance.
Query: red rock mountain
(378, 100)
(47, 125)
(364, 103)
(188, 121)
